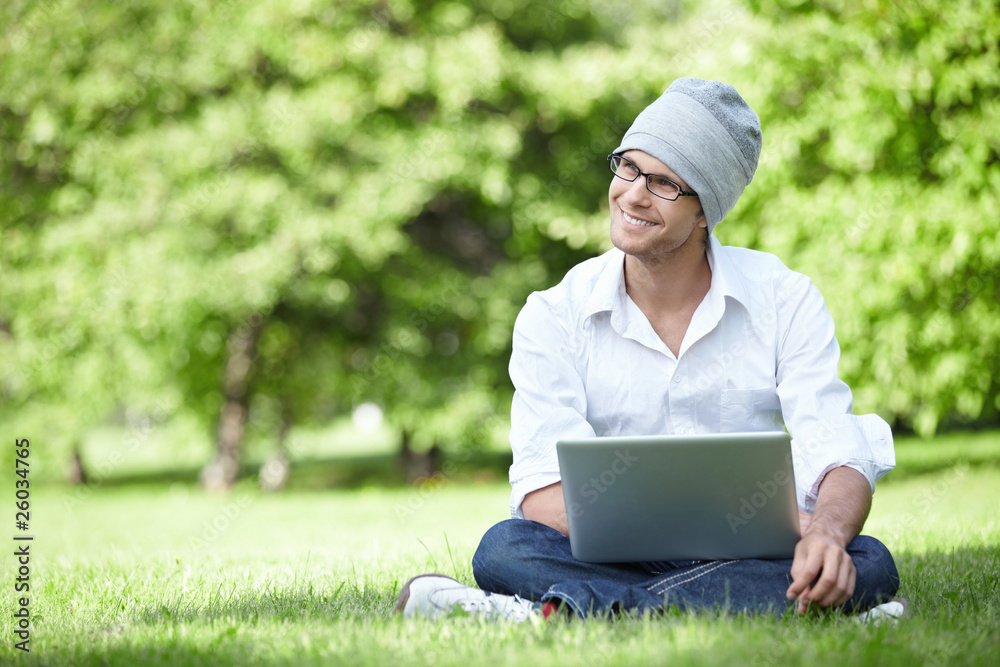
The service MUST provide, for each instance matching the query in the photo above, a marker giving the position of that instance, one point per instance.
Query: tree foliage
(883, 160)
(371, 189)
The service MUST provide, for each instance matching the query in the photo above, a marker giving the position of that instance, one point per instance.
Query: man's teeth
(636, 221)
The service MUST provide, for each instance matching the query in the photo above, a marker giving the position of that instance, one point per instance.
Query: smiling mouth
(636, 221)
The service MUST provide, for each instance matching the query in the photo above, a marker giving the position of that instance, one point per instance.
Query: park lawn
(168, 575)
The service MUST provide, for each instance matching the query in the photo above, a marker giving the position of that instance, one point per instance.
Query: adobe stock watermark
(791, 649)
(700, 38)
(943, 655)
(57, 343)
(412, 164)
(592, 489)
(244, 154)
(749, 507)
(367, 36)
(43, 13)
(879, 208)
(582, 158)
(602, 655)
(423, 488)
(926, 500)
(93, 146)
(212, 529)
(389, 351)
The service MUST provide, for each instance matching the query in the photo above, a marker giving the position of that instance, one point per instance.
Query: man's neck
(675, 284)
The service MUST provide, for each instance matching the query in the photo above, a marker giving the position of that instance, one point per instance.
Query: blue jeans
(530, 559)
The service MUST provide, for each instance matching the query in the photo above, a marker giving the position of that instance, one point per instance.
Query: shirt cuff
(526, 485)
(861, 442)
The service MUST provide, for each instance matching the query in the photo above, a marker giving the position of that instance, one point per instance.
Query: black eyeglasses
(661, 186)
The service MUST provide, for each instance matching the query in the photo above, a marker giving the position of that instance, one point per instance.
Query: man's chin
(630, 243)
(635, 250)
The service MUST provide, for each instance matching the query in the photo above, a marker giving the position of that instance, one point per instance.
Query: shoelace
(516, 610)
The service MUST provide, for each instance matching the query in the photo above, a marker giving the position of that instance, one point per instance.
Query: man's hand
(822, 570)
(821, 554)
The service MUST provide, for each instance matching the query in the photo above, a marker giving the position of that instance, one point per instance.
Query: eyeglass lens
(658, 185)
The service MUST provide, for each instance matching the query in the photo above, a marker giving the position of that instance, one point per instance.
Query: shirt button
(677, 378)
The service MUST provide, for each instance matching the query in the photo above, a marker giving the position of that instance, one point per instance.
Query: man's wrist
(820, 527)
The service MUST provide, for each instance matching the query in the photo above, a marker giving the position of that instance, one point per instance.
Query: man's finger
(846, 586)
(802, 604)
(805, 567)
(835, 582)
(826, 588)
(851, 583)
(845, 583)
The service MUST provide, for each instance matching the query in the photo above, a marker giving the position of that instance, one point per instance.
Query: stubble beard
(654, 252)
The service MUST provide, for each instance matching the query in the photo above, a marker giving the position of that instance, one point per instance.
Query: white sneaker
(435, 595)
(887, 612)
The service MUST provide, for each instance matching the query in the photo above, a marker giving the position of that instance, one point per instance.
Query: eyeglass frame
(681, 192)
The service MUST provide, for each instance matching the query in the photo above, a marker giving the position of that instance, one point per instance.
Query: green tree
(246, 216)
(214, 209)
(880, 181)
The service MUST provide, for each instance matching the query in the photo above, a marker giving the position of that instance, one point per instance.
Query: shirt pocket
(750, 410)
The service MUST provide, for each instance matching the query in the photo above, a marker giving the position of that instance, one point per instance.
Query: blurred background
(287, 240)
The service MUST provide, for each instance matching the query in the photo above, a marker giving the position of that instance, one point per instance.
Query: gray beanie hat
(705, 132)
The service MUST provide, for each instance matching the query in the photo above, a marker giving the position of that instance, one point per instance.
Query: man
(671, 332)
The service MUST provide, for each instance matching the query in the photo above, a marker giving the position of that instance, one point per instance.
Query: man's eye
(661, 182)
(628, 168)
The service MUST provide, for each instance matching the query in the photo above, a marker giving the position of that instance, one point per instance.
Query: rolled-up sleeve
(816, 404)
(550, 400)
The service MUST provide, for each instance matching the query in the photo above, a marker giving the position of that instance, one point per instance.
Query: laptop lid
(693, 497)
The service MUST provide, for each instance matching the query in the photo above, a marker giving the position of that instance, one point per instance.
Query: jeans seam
(700, 574)
(680, 574)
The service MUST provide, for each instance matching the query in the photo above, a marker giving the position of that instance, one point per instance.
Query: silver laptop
(693, 497)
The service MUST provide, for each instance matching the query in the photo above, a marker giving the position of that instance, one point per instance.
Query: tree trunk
(273, 475)
(221, 473)
(417, 465)
(76, 473)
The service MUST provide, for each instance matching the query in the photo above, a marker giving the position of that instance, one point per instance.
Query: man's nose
(638, 193)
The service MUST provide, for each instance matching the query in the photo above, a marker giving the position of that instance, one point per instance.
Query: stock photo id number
(22, 545)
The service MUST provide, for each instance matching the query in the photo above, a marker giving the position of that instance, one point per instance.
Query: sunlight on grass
(168, 574)
(954, 508)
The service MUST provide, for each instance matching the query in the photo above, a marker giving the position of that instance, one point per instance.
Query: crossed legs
(534, 561)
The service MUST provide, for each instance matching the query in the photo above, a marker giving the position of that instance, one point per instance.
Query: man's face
(648, 227)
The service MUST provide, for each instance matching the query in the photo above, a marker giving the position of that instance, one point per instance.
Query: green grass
(129, 575)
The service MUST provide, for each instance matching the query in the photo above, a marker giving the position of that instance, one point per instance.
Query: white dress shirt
(760, 354)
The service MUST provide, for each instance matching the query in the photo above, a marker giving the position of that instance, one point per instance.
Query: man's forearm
(842, 505)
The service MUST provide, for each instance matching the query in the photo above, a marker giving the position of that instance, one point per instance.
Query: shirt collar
(609, 290)
(725, 278)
